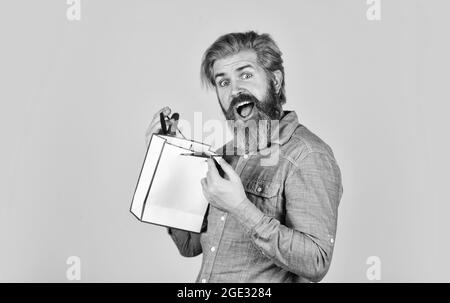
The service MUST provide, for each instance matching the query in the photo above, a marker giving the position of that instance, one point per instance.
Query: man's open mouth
(244, 109)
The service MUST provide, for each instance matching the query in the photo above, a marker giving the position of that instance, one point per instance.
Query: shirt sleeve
(304, 243)
(188, 243)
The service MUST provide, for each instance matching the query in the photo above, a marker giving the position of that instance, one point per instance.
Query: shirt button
(332, 240)
(203, 280)
(259, 189)
(213, 249)
(245, 156)
(222, 218)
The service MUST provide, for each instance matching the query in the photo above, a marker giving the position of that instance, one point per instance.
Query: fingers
(213, 173)
(155, 126)
(227, 168)
(165, 110)
(204, 183)
(151, 128)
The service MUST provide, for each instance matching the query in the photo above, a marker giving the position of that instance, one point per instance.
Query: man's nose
(236, 89)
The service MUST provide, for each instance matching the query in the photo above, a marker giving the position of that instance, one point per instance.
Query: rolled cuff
(248, 214)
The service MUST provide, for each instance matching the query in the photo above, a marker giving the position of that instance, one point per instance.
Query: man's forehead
(235, 61)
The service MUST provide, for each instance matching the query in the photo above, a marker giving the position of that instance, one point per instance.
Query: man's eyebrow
(237, 69)
(219, 75)
(244, 67)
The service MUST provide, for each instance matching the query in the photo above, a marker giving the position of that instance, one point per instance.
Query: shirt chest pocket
(264, 194)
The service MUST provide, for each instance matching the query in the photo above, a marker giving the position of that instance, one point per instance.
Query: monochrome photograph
(224, 142)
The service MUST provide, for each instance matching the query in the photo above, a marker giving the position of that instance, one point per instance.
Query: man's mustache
(239, 98)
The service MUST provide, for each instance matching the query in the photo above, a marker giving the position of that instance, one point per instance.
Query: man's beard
(254, 133)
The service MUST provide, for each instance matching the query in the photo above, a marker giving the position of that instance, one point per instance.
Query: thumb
(228, 169)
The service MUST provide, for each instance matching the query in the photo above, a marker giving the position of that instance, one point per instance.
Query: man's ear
(277, 80)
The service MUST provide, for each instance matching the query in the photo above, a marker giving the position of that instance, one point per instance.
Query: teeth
(243, 103)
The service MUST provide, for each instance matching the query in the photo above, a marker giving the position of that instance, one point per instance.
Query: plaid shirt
(287, 233)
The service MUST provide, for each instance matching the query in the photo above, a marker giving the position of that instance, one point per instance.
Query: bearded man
(268, 221)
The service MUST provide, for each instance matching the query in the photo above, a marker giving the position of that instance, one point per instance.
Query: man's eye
(246, 76)
(224, 83)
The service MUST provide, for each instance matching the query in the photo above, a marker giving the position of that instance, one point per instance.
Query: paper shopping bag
(168, 191)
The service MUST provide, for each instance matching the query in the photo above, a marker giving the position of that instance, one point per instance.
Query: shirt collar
(286, 127)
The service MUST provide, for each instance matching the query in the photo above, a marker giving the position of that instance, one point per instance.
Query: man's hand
(226, 194)
(155, 125)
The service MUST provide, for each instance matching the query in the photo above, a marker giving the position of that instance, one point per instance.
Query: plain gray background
(77, 96)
